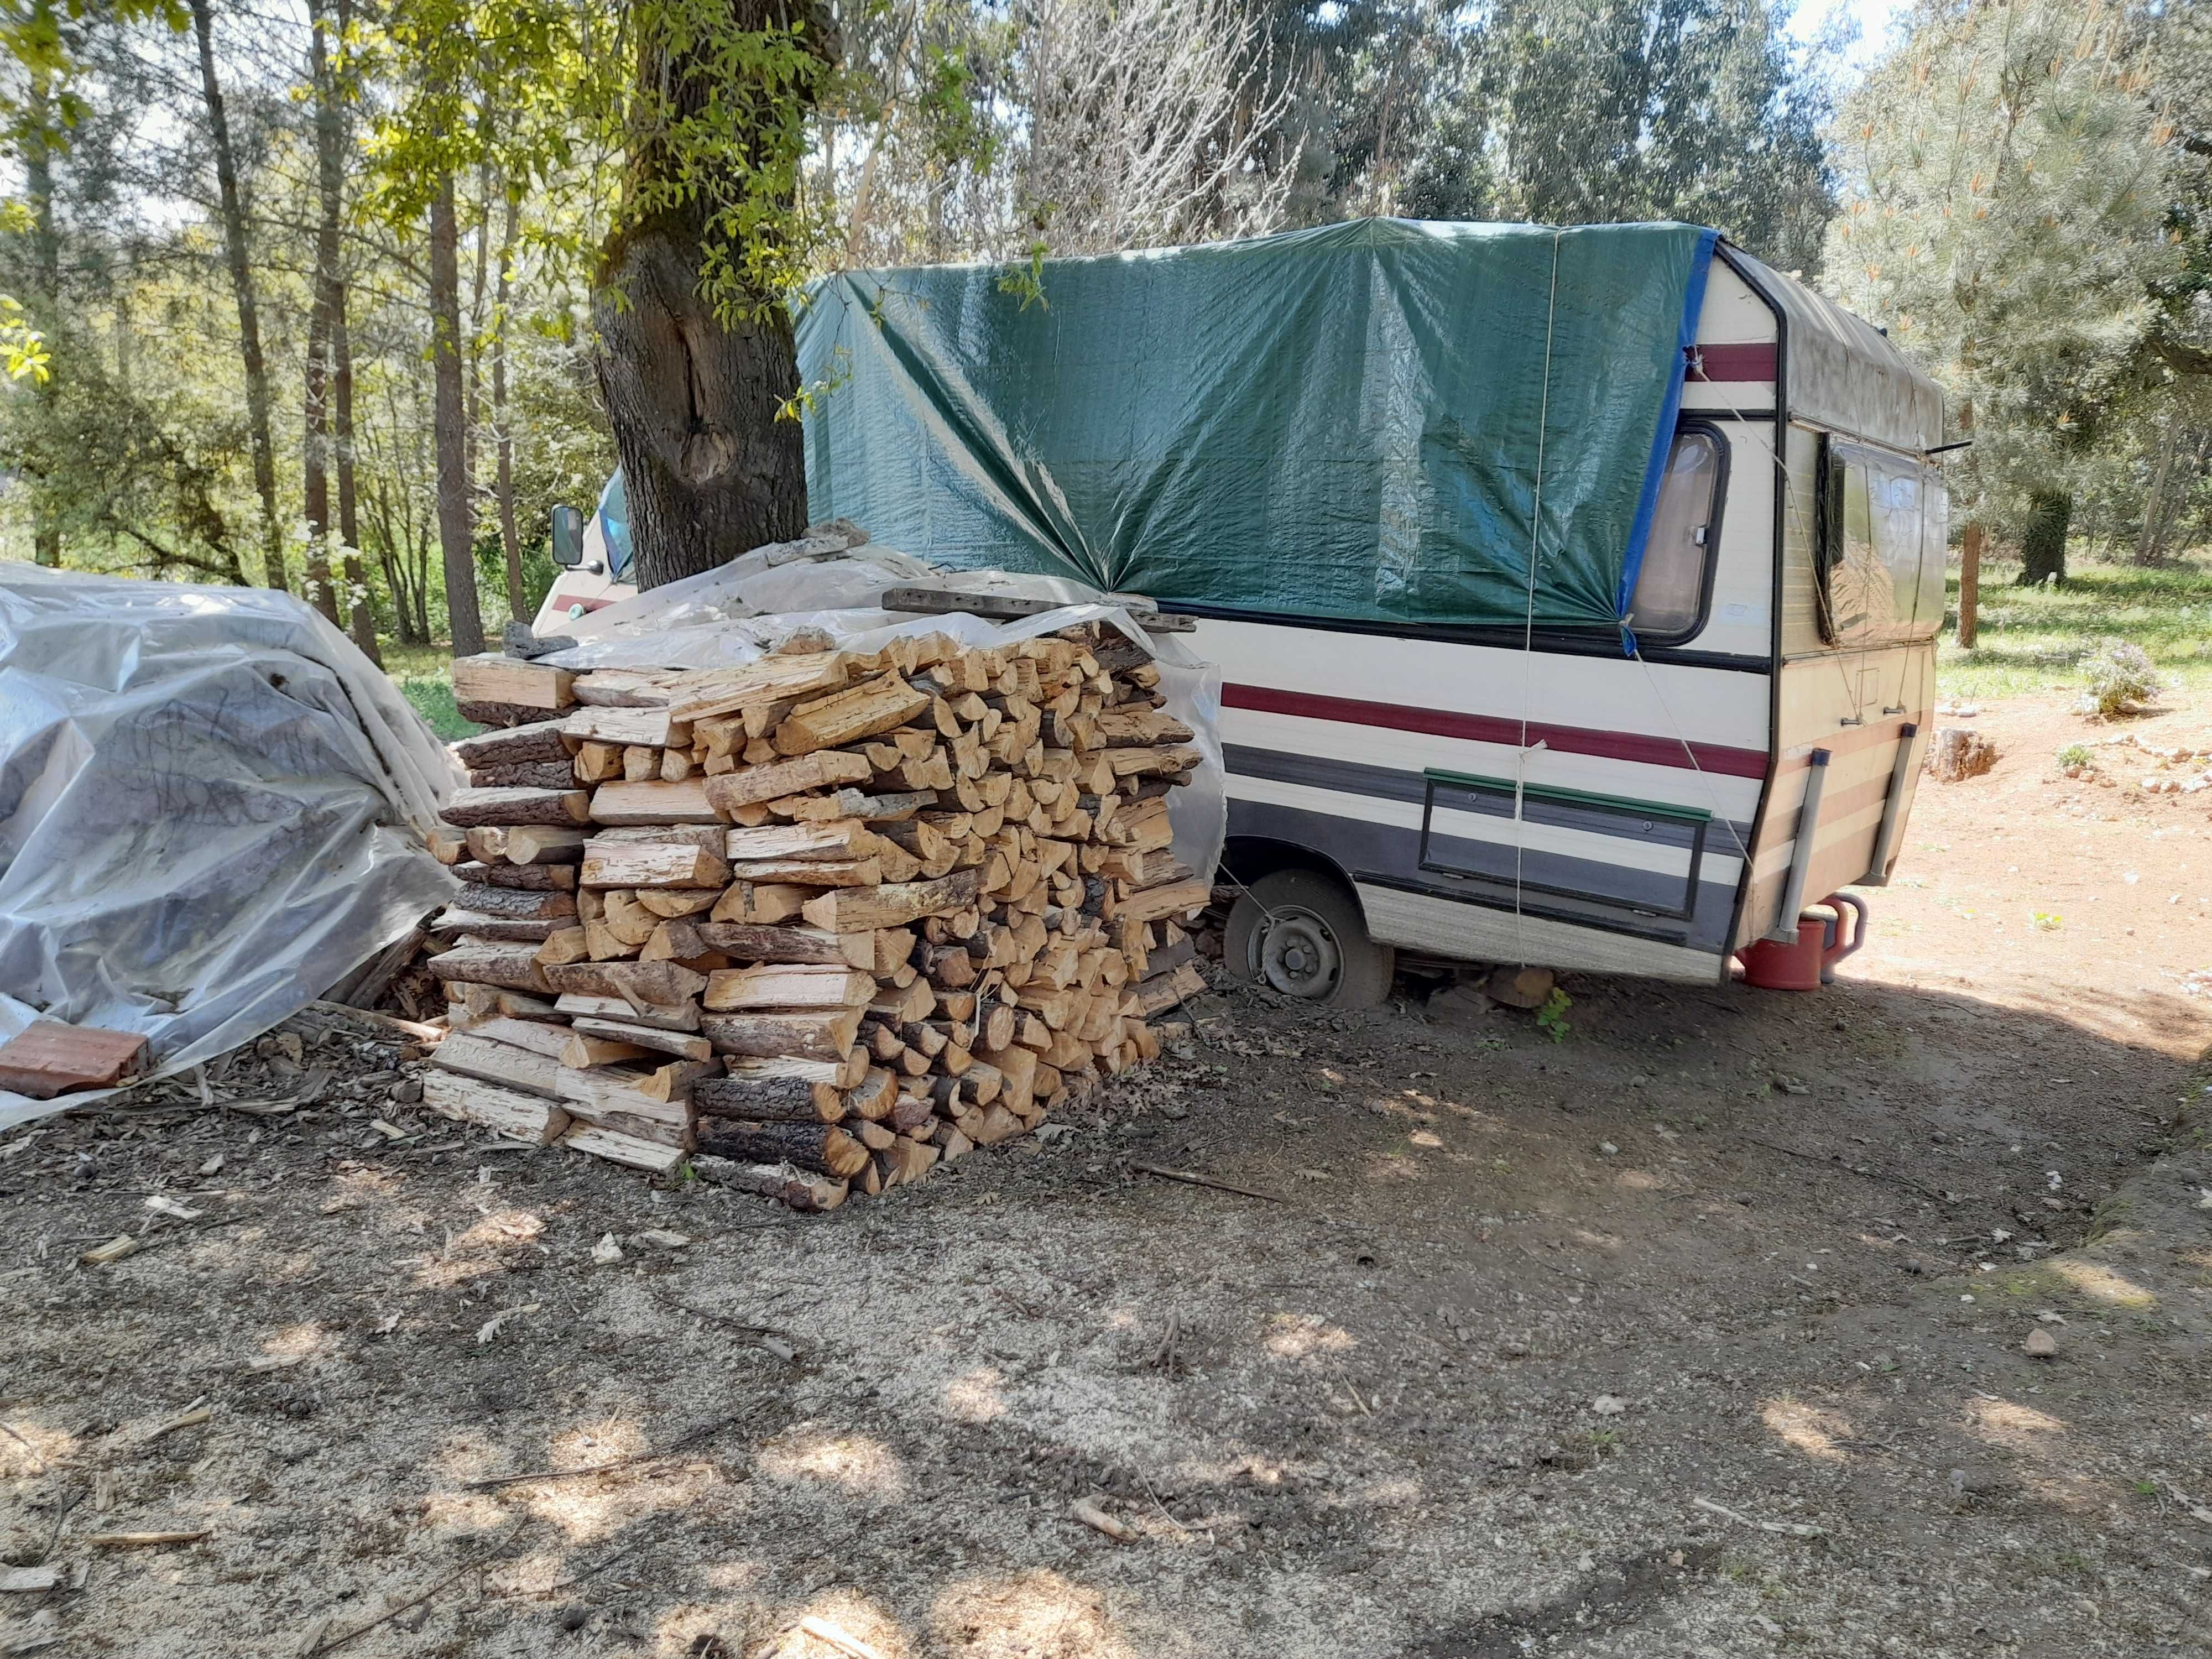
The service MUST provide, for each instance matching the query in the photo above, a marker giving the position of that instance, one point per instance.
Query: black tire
(1302, 933)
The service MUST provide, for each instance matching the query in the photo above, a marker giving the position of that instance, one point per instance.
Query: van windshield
(614, 526)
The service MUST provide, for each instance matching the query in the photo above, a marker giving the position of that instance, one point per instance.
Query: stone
(1958, 751)
(2040, 1344)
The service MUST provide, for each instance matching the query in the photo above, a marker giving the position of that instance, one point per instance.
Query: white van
(593, 558)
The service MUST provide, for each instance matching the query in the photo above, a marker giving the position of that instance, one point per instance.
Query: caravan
(1575, 592)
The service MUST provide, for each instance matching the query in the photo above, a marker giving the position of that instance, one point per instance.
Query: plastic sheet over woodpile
(211, 808)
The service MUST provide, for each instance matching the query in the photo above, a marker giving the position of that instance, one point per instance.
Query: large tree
(2004, 200)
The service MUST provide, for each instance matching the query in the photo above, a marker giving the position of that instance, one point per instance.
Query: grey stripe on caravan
(1392, 854)
(1386, 783)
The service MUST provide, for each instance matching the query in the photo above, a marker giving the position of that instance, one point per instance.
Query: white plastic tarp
(211, 808)
(742, 610)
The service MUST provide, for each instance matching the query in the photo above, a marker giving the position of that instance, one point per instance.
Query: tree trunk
(709, 469)
(241, 282)
(45, 259)
(1970, 585)
(694, 398)
(2151, 543)
(517, 601)
(315, 440)
(448, 427)
(2043, 549)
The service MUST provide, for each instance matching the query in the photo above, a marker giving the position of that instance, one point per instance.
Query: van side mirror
(567, 537)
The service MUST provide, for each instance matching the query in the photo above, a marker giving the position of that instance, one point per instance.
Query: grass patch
(2032, 639)
(424, 675)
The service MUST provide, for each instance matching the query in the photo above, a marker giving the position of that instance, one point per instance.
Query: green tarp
(1349, 423)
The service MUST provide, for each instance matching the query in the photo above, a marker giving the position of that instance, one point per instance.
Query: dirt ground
(1699, 1332)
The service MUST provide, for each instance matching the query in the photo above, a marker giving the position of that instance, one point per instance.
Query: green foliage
(2073, 757)
(1565, 112)
(2033, 639)
(2003, 193)
(1552, 1017)
(2118, 678)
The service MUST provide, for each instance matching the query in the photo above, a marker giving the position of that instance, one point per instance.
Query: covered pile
(822, 919)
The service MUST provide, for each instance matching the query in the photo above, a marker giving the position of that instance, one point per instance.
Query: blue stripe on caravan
(1724, 836)
(1390, 852)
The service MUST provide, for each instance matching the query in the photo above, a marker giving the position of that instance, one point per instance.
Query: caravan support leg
(1877, 873)
(1784, 931)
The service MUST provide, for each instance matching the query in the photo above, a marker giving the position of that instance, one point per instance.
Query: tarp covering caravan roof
(1841, 373)
(1377, 421)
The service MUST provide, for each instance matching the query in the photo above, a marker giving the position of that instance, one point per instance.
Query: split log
(809, 1194)
(527, 774)
(485, 962)
(1177, 899)
(517, 746)
(685, 1045)
(780, 986)
(762, 903)
(652, 865)
(477, 925)
(768, 1099)
(679, 1017)
(498, 679)
(642, 985)
(541, 844)
(809, 1037)
(811, 872)
(724, 691)
(506, 1111)
(618, 1148)
(749, 942)
(653, 802)
(503, 1063)
(642, 727)
(535, 878)
(506, 807)
(752, 785)
(849, 716)
(515, 904)
(820, 1147)
(856, 909)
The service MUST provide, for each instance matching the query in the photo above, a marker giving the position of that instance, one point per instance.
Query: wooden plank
(50, 1057)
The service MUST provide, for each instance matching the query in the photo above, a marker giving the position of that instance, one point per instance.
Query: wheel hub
(1297, 954)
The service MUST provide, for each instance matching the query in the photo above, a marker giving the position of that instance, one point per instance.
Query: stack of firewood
(815, 922)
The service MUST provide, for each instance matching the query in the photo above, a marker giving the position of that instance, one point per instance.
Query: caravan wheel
(1301, 932)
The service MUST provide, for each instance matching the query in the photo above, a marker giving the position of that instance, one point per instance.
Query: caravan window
(1670, 587)
(1883, 525)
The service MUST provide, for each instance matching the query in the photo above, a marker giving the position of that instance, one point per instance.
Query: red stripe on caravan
(1751, 362)
(1491, 729)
